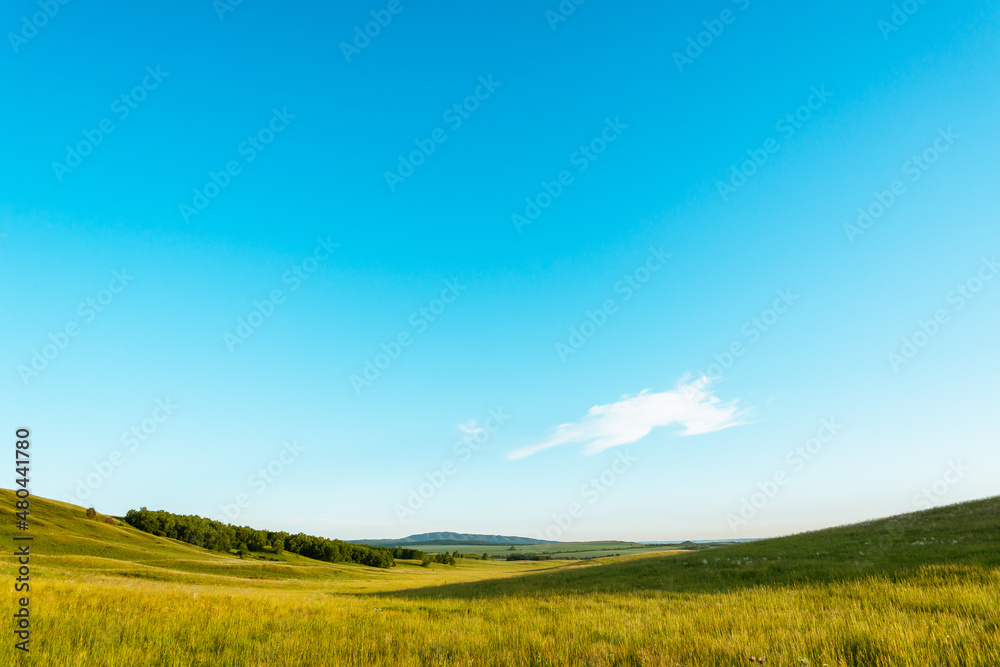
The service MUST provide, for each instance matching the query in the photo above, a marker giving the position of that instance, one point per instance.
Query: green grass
(957, 537)
(920, 589)
(564, 550)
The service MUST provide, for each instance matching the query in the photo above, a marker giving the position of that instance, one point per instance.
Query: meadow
(564, 550)
(919, 589)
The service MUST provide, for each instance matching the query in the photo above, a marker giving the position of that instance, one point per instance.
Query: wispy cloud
(692, 406)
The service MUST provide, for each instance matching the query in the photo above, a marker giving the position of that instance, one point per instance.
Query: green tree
(486, 556)
(255, 541)
(219, 536)
(224, 544)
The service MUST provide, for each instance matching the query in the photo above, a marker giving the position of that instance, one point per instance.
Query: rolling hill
(915, 589)
(458, 539)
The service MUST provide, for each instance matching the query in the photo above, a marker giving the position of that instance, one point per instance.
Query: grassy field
(564, 550)
(918, 589)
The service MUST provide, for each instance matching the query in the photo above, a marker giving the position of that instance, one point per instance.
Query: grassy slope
(966, 535)
(68, 544)
(913, 590)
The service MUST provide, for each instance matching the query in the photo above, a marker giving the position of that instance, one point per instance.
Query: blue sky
(560, 259)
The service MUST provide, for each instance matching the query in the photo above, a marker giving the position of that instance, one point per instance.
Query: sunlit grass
(917, 590)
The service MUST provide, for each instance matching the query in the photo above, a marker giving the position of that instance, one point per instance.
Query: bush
(91, 512)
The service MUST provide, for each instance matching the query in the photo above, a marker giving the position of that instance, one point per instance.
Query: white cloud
(691, 406)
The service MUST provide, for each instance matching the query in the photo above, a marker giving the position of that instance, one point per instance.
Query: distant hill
(467, 539)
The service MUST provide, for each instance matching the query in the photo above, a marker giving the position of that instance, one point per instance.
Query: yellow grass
(127, 599)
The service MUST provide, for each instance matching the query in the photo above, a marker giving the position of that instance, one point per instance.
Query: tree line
(528, 556)
(243, 540)
(445, 558)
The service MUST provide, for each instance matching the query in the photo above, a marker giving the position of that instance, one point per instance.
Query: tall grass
(840, 597)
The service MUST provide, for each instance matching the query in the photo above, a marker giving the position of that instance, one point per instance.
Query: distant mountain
(454, 538)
